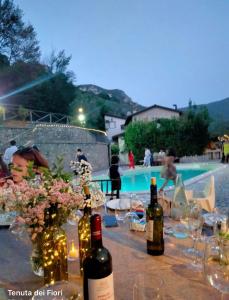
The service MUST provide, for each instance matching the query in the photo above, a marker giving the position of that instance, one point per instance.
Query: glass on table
(148, 286)
(193, 220)
(216, 265)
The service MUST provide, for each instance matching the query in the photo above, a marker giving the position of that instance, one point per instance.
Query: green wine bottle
(154, 226)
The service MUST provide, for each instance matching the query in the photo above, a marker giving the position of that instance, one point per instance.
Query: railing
(105, 185)
(16, 112)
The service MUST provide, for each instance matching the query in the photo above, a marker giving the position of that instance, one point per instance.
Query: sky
(161, 52)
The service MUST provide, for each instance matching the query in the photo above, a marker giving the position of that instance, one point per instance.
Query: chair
(207, 202)
(180, 200)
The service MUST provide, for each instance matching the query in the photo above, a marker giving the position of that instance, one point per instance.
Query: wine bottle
(54, 248)
(97, 266)
(154, 219)
(84, 232)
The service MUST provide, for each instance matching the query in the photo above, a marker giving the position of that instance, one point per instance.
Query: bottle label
(101, 289)
(96, 235)
(149, 230)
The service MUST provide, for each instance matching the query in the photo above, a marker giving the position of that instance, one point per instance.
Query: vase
(36, 258)
(54, 251)
(224, 251)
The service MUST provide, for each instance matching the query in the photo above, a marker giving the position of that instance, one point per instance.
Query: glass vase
(36, 257)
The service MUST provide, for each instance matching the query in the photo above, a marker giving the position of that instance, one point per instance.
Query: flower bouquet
(34, 198)
(83, 182)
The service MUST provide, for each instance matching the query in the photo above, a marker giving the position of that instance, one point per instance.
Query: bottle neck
(96, 232)
(87, 211)
(51, 216)
(153, 194)
(87, 205)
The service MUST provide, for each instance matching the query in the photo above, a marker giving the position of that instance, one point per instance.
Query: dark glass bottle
(84, 232)
(97, 266)
(54, 249)
(154, 219)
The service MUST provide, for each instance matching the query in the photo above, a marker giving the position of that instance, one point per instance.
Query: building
(153, 113)
(114, 125)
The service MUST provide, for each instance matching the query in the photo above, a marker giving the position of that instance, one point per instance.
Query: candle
(73, 253)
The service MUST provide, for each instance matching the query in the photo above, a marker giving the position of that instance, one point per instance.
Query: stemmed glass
(216, 264)
(194, 222)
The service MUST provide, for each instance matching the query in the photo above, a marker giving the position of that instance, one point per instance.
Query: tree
(194, 131)
(187, 135)
(17, 40)
(141, 135)
(59, 62)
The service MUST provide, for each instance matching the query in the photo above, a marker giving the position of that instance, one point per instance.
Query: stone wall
(57, 139)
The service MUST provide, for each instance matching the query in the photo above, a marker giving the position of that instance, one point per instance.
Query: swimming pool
(138, 180)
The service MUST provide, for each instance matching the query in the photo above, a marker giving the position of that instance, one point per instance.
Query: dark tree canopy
(188, 135)
(17, 40)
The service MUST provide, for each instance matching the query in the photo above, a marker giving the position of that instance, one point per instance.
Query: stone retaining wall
(57, 139)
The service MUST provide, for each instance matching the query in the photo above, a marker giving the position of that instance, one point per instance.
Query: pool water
(136, 181)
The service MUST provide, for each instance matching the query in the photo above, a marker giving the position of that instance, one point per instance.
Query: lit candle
(73, 254)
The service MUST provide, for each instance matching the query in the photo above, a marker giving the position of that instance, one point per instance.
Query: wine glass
(148, 286)
(194, 222)
(216, 264)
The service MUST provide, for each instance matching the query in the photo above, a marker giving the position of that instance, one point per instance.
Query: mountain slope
(97, 101)
(115, 95)
(219, 113)
(219, 110)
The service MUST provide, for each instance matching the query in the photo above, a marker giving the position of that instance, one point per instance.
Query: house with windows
(148, 114)
(153, 113)
(114, 125)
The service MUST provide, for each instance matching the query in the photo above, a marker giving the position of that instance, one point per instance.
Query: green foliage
(21, 72)
(219, 114)
(57, 171)
(188, 135)
(59, 62)
(114, 149)
(54, 95)
(17, 40)
(141, 135)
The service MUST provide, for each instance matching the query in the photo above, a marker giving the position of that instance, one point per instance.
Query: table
(129, 256)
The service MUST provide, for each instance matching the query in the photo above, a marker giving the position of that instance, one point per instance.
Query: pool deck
(197, 184)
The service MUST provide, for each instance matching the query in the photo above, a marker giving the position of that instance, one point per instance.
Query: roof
(118, 135)
(114, 116)
(129, 118)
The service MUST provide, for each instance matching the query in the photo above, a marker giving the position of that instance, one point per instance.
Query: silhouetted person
(80, 155)
(7, 157)
(115, 176)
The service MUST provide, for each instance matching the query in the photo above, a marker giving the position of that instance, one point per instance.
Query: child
(114, 175)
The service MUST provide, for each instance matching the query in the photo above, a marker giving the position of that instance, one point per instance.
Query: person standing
(169, 171)
(80, 155)
(115, 176)
(147, 158)
(7, 157)
(131, 159)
